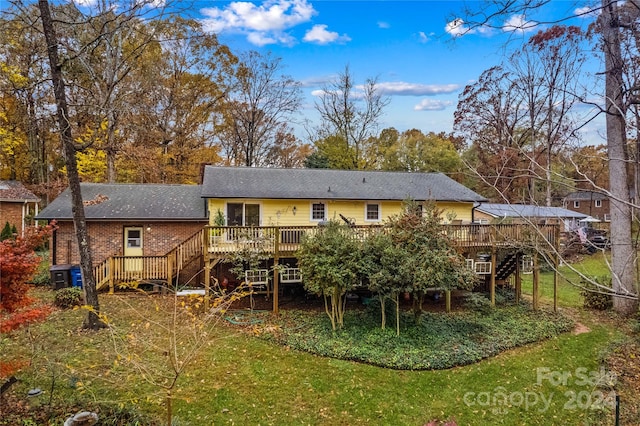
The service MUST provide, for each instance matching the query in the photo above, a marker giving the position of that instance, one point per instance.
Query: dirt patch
(581, 328)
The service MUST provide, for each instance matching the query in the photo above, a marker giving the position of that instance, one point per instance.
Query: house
(524, 213)
(140, 220)
(155, 232)
(299, 197)
(18, 205)
(590, 203)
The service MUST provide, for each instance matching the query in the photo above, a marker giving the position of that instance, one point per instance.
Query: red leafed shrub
(9, 368)
(18, 262)
(23, 317)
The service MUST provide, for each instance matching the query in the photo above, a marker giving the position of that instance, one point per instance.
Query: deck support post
(556, 264)
(518, 277)
(207, 284)
(492, 285)
(536, 281)
(276, 271)
(447, 300)
(111, 278)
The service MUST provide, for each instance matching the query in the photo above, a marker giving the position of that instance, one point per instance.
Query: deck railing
(286, 239)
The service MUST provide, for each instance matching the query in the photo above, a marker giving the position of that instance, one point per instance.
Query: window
(318, 211)
(576, 204)
(243, 214)
(134, 238)
(598, 203)
(372, 212)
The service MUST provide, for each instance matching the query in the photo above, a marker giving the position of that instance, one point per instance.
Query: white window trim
(576, 204)
(366, 207)
(326, 210)
(243, 202)
(598, 203)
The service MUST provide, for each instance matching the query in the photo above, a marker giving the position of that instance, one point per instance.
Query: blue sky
(407, 45)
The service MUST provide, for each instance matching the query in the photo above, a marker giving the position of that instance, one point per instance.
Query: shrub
(596, 297)
(477, 302)
(68, 297)
(22, 317)
(19, 263)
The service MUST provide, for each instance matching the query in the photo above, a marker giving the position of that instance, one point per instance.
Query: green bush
(42, 276)
(68, 297)
(594, 298)
(477, 302)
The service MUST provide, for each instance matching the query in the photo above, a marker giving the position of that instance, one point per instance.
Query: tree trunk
(86, 264)
(623, 255)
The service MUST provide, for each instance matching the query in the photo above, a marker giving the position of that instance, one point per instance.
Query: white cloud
(263, 24)
(519, 23)
(586, 12)
(423, 37)
(457, 28)
(400, 88)
(320, 35)
(432, 105)
(383, 25)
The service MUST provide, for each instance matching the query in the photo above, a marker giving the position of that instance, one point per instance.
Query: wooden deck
(216, 242)
(284, 240)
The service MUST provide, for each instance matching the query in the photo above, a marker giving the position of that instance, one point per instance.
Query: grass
(568, 280)
(239, 379)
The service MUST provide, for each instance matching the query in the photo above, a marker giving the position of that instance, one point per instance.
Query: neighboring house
(18, 205)
(524, 213)
(590, 203)
(297, 197)
(127, 220)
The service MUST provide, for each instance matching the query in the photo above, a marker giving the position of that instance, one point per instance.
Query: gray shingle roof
(525, 210)
(319, 184)
(585, 195)
(14, 191)
(132, 201)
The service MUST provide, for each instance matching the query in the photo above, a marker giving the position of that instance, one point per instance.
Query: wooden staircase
(507, 266)
(119, 269)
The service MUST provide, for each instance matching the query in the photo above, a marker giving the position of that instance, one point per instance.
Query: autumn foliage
(18, 263)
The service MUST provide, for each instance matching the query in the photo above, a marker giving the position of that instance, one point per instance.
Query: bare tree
(613, 20)
(351, 114)
(256, 109)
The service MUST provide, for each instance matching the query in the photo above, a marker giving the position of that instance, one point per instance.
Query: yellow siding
(281, 212)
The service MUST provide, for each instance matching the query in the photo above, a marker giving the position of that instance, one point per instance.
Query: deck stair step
(507, 266)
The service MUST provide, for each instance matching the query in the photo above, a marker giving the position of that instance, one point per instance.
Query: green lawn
(237, 378)
(568, 278)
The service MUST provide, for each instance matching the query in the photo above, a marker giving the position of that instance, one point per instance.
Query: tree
(329, 260)
(181, 92)
(258, 107)
(86, 264)
(414, 151)
(491, 116)
(25, 94)
(381, 259)
(428, 260)
(351, 117)
(612, 22)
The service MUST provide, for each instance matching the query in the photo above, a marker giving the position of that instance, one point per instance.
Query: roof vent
(329, 190)
(363, 180)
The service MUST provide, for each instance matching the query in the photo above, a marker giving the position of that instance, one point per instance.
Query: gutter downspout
(473, 211)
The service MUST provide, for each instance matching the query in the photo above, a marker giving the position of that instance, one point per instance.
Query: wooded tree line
(152, 97)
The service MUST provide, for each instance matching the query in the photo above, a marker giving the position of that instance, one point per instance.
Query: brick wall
(107, 239)
(12, 213)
